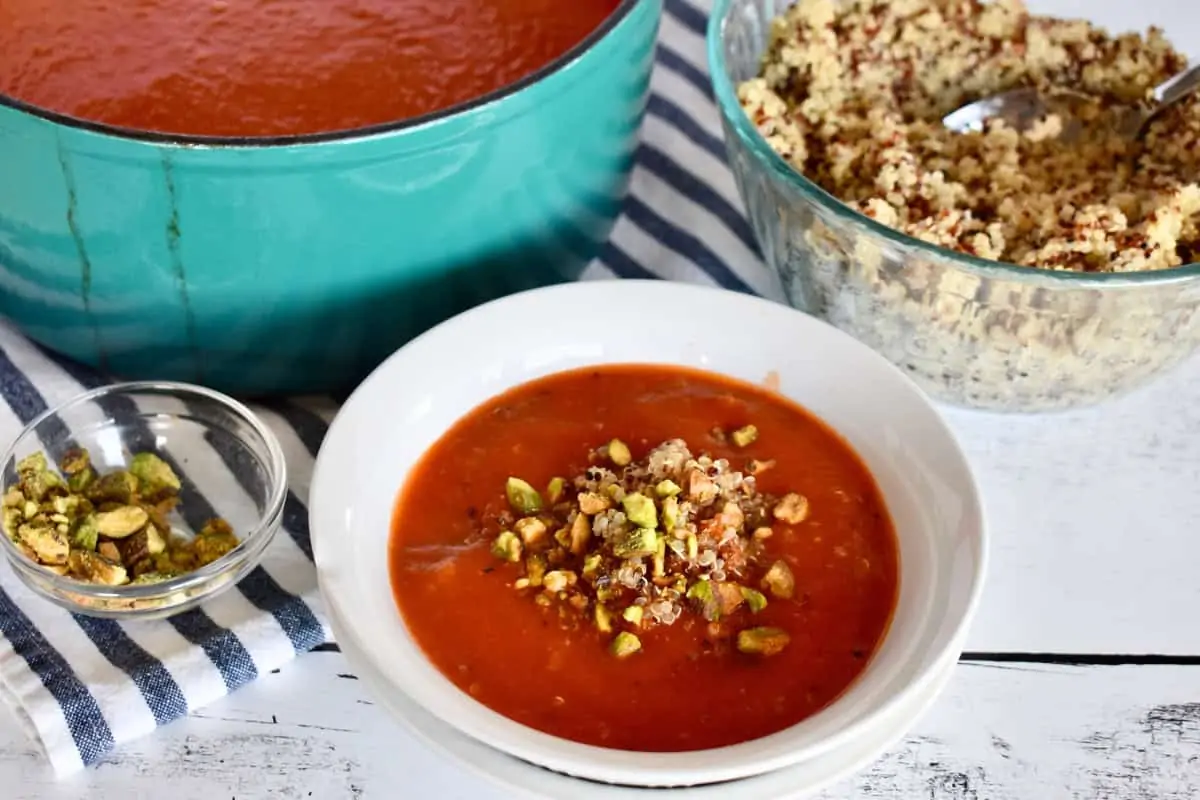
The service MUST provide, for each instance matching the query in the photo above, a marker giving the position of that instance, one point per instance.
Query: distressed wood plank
(1000, 732)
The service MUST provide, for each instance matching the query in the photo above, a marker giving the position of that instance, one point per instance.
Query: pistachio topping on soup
(632, 544)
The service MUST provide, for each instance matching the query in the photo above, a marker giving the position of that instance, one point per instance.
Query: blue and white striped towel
(83, 686)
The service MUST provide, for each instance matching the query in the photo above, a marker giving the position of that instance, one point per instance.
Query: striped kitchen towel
(82, 686)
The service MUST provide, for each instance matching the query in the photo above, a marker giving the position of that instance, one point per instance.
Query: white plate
(412, 398)
(528, 780)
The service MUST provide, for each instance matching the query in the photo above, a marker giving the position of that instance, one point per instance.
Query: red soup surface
(276, 67)
(525, 606)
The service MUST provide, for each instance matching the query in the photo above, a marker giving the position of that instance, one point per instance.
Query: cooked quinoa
(852, 95)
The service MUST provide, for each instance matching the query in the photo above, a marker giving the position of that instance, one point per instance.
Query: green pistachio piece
(117, 486)
(640, 510)
(660, 558)
(154, 474)
(12, 521)
(507, 546)
(618, 453)
(37, 480)
(667, 488)
(86, 533)
(522, 497)
(47, 542)
(121, 522)
(779, 581)
(693, 547)
(581, 532)
(591, 563)
(633, 615)
(704, 595)
(762, 641)
(535, 570)
(625, 644)
(13, 498)
(755, 600)
(558, 580)
(603, 619)
(670, 513)
(31, 465)
(745, 436)
(95, 569)
(556, 489)
(641, 542)
(531, 530)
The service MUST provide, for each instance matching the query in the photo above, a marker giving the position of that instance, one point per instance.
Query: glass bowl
(229, 463)
(970, 331)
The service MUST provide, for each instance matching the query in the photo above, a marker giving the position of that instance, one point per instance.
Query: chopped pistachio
(213, 542)
(121, 522)
(640, 542)
(97, 569)
(109, 550)
(117, 486)
(46, 541)
(744, 436)
(37, 480)
(640, 510)
(563, 537)
(13, 498)
(593, 503)
(581, 532)
(535, 569)
(667, 488)
(154, 475)
(670, 514)
(779, 581)
(522, 497)
(660, 558)
(555, 490)
(86, 533)
(12, 521)
(591, 563)
(705, 596)
(633, 615)
(762, 641)
(603, 618)
(558, 580)
(531, 530)
(755, 600)
(792, 509)
(507, 546)
(141, 545)
(625, 644)
(729, 597)
(618, 453)
(693, 547)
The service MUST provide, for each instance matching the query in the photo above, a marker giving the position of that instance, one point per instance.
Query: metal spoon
(1020, 108)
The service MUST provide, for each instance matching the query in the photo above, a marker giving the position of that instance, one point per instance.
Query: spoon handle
(1174, 89)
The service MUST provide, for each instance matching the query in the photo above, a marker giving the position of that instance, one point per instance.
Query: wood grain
(1000, 732)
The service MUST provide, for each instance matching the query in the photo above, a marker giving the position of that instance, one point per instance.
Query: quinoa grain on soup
(852, 95)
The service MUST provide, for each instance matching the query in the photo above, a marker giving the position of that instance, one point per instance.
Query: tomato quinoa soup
(255, 68)
(645, 558)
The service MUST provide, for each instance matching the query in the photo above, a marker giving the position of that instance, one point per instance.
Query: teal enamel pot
(298, 264)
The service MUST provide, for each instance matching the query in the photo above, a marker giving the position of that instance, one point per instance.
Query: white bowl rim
(597, 763)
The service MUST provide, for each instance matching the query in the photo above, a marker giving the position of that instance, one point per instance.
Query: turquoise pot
(296, 265)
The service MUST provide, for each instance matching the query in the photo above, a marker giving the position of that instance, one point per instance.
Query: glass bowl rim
(248, 546)
(778, 168)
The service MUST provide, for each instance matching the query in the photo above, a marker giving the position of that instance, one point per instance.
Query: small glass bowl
(230, 464)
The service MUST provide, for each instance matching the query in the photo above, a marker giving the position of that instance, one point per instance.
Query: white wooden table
(1082, 679)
